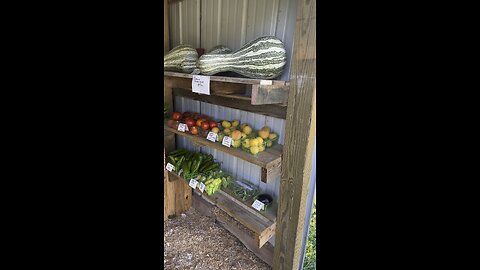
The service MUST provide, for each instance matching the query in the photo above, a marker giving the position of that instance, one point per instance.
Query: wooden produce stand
(293, 101)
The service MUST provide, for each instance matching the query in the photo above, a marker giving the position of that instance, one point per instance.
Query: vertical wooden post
(178, 195)
(169, 139)
(299, 142)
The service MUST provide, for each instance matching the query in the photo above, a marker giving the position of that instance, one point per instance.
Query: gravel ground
(193, 241)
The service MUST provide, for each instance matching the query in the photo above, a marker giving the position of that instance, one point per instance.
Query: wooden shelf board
(236, 101)
(262, 94)
(222, 78)
(270, 157)
(263, 225)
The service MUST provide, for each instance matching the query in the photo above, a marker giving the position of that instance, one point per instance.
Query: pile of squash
(262, 58)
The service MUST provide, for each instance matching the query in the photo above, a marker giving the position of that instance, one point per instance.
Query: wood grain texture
(221, 78)
(183, 197)
(169, 141)
(166, 36)
(299, 142)
(269, 94)
(267, 158)
(206, 208)
(216, 88)
(237, 102)
(260, 223)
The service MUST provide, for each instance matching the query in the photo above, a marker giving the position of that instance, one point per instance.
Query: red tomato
(190, 122)
(213, 124)
(205, 125)
(177, 116)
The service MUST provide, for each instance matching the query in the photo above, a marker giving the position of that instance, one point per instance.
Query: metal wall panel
(232, 23)
(238, 168)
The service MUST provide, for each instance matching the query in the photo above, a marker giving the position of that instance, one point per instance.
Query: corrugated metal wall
(232, 23)
(235, 166)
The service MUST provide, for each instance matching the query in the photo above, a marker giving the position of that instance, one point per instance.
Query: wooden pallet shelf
(269, 160)
(274, 92)
(236, 101)
(261, 223)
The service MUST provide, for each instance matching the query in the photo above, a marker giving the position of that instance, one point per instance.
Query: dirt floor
(193, 241)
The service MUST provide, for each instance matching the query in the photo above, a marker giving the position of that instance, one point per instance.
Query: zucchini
(263, 58)
(212, 167)
(182, 58)
(179, 163)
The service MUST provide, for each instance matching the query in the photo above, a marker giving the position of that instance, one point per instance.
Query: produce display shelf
(262, 91)
(269, 160)
(261, 223)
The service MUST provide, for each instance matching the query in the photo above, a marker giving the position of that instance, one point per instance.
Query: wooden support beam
(216, 88)
(206, 207)
(237, 102)
(269, 94)
(299, 142)
(177, 195)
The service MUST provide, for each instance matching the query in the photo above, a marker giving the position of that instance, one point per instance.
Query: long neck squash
(263, 58)
(182, 58)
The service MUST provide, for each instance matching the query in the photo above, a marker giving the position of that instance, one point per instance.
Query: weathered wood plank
(237, 102)
(299, 142)
(166, 37)
(269, 94)
(262, 226)
(221, 78)
(216, 88)
(265, 253)
(183, 197)
(264, 159)
(270, 172)
(248, 239)
(169, 141)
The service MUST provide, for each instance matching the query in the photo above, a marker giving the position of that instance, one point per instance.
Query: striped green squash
(182, 58)
(220, 49)
(263, 58)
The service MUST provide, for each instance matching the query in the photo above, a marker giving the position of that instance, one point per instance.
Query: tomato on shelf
(177, 116)
(190, 122)
(194, 130)
(213, 124)
(205, 125)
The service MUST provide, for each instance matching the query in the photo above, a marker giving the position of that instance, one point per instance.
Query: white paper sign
(193, 183)
(266, 82)
(201, 84)
(258, 205)
(227, 141)
(212, 136)
(182, 127)
(202, 187)
(170, 167)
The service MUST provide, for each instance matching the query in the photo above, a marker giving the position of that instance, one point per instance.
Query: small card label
(227, 141)
(193, 183)
(170, 167)
(202, 187)
(182, 127)
(266, 82)
(258, 205)
(212, 136)
(201, 84)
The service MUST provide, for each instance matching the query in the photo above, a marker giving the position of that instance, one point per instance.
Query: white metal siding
(232, 23)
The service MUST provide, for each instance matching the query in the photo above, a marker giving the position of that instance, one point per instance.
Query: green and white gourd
(182, 58)
(263, 58)
(220, 49)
